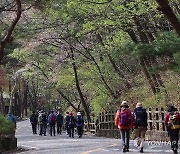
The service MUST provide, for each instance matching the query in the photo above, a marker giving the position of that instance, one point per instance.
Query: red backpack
(52, 118)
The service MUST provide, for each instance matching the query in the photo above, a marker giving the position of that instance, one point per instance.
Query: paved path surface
(62, 144)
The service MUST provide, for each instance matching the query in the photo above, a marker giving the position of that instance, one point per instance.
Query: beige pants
(140, 136)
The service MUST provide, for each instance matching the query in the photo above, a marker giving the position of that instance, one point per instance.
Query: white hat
(124, 103)
(79, 113)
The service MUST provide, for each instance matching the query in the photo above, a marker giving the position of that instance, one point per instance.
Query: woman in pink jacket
(172, 122)
(124, 121)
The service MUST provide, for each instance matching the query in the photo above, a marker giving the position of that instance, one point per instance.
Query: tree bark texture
(7, 37)
(170, 15)
(2, 107)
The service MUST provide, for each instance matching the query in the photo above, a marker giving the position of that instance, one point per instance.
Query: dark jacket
(79, 121)
(71, 121)
(140, 117)
(59, 119)
(33, 119)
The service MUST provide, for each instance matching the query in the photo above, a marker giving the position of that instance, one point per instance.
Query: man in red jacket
(124, 121)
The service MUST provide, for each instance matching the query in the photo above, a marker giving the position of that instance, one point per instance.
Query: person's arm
(131, 118)
(116, 119)
(146, 117)
(166, 119)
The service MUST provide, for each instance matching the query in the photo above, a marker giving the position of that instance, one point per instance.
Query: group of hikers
(54, 122)
(127, 120)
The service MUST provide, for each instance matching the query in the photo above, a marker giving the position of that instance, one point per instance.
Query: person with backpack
(42, 123)
(124, 121)
(172, 123)
(52, 122)
(34, 121)
(59, 121)
(140, 125)
(79, 124)
(71, 124)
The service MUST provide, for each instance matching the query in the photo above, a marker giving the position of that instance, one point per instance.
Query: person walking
(124, 121)
(65, 122)
(11, 118)
(71, 124)
(43, 123)
(172, 123)
(52, 122)
(79, 124)
(140, 125)
(59, 121)
(34, 121)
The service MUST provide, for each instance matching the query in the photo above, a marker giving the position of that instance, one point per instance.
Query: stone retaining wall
(150, 134)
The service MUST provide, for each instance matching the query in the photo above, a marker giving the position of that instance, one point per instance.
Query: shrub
(6, 127)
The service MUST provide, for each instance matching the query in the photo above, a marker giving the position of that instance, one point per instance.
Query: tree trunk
(10, 30)
(69, 102)
(2, 107)
(168, 12)
(86, 109)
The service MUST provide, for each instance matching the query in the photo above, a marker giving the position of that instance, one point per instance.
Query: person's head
(79, 114)
(9, 113)
(67, 113)
(124, 104)
(33, 112)
(171, 108)
(70, 114)
(52, 111)
(138, 105)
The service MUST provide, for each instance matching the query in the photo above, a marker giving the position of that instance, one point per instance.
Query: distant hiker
(124, 121)
(11, 118)
(172, 122)
(43, 123)
(59, 120)
(71, 124)
(34, 121)
(52, 122)
(65, 122)
(140, 125)
(79, 124)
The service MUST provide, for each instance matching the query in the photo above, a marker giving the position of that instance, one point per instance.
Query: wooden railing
(104, 124)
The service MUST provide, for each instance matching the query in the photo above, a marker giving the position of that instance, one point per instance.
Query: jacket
(33, 119)
(166, 118)
(50, 117)
(71, 121)
(117, 116)
(81, 122)
(59, 119)
(11, 118)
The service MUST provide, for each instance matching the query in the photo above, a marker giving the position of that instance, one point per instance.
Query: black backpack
(140, 117)
(44, 118)
(71, 121)
(79, 120)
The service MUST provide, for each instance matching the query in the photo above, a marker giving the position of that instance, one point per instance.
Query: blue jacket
(10, 117)
(50, 116)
